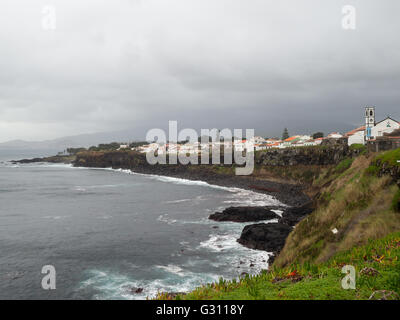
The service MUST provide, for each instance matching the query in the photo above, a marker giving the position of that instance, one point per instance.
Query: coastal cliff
(358, 204)
(356, 221)
(287, 174)
(294, 176)
(354, 218)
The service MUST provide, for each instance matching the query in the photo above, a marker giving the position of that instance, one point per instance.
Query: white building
(260, 147)
(189, 148)
(372, 129)
(334, 135)
(257, 140)
(387, 125)
(356, 136)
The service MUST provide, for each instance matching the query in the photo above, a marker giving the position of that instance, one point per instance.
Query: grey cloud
(134, 65)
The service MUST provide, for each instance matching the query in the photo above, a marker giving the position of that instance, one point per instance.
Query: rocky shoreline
(245, 214)
(270, 236)
(51, 159)
(262, 236)
(289, 194)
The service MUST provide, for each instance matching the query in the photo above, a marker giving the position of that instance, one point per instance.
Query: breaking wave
(113, 285)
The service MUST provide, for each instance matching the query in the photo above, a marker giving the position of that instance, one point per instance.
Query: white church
(372, 129)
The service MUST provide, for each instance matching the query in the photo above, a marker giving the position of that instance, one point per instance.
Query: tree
(285, 134)
(318, 135)
(74, 151)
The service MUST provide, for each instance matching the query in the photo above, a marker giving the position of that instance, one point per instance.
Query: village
(376, 133)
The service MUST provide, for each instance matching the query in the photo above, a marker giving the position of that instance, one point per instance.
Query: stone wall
(383, 144)
(319, 155)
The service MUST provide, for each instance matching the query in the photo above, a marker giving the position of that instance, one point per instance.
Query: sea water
(108, 232)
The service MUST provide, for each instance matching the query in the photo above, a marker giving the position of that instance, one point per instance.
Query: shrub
(360, 147)
(344, 165)
(372, 170)
(390, 157)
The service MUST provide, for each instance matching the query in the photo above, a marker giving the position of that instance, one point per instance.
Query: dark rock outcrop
(23, 161)
(244, 214)
(265, 236)
(53, 159)
(137, 290)
(389, 170)
(330, 154)
(293, 215)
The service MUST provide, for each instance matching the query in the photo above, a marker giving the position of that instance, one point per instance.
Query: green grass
(357, 146)
(358, 204)
(344, 165)
(360, 147)
(372, 170)
(389, 157)
(315, 281)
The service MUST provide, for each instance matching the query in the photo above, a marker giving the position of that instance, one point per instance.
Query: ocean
(108, 232)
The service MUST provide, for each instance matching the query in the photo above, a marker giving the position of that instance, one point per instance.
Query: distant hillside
(59, 144)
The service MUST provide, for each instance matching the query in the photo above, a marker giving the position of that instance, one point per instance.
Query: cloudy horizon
(134, 65)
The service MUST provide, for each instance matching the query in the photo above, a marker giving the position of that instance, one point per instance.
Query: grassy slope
(353, 199)
(356, 202)
(315, 281)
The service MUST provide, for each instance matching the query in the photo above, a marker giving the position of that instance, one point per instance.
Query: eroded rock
(265, 236)
(244, 214)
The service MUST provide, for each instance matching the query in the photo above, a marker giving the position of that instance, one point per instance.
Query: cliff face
(283, 173)
(387, 163)
(111, 159)
(360, 202)
(321, 155)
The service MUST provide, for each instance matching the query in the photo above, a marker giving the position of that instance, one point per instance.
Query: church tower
(369, 121)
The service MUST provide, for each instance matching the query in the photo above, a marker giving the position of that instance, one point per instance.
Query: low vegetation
(391, 158)
(356, 222)
(360, 147)
(377, 266)
(358, 204)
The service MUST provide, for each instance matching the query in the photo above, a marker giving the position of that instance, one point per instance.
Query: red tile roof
(350, 133)
(291, 138)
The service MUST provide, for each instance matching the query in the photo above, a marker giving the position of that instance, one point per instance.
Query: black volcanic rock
(52, 159)
(287, 193)
(265, 236)
(244, 214)
(291, 216)
(27, 160)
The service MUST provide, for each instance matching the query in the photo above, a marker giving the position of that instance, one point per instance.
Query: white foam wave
(165, 218)
(79, 188)
(178, 201)
(55, 217)
(219, 243)
(172, 269)
(111, 285)
(240, 197)
(10, 164)
(235, 258)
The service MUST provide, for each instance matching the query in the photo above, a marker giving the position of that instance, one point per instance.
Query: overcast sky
(135, 64)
